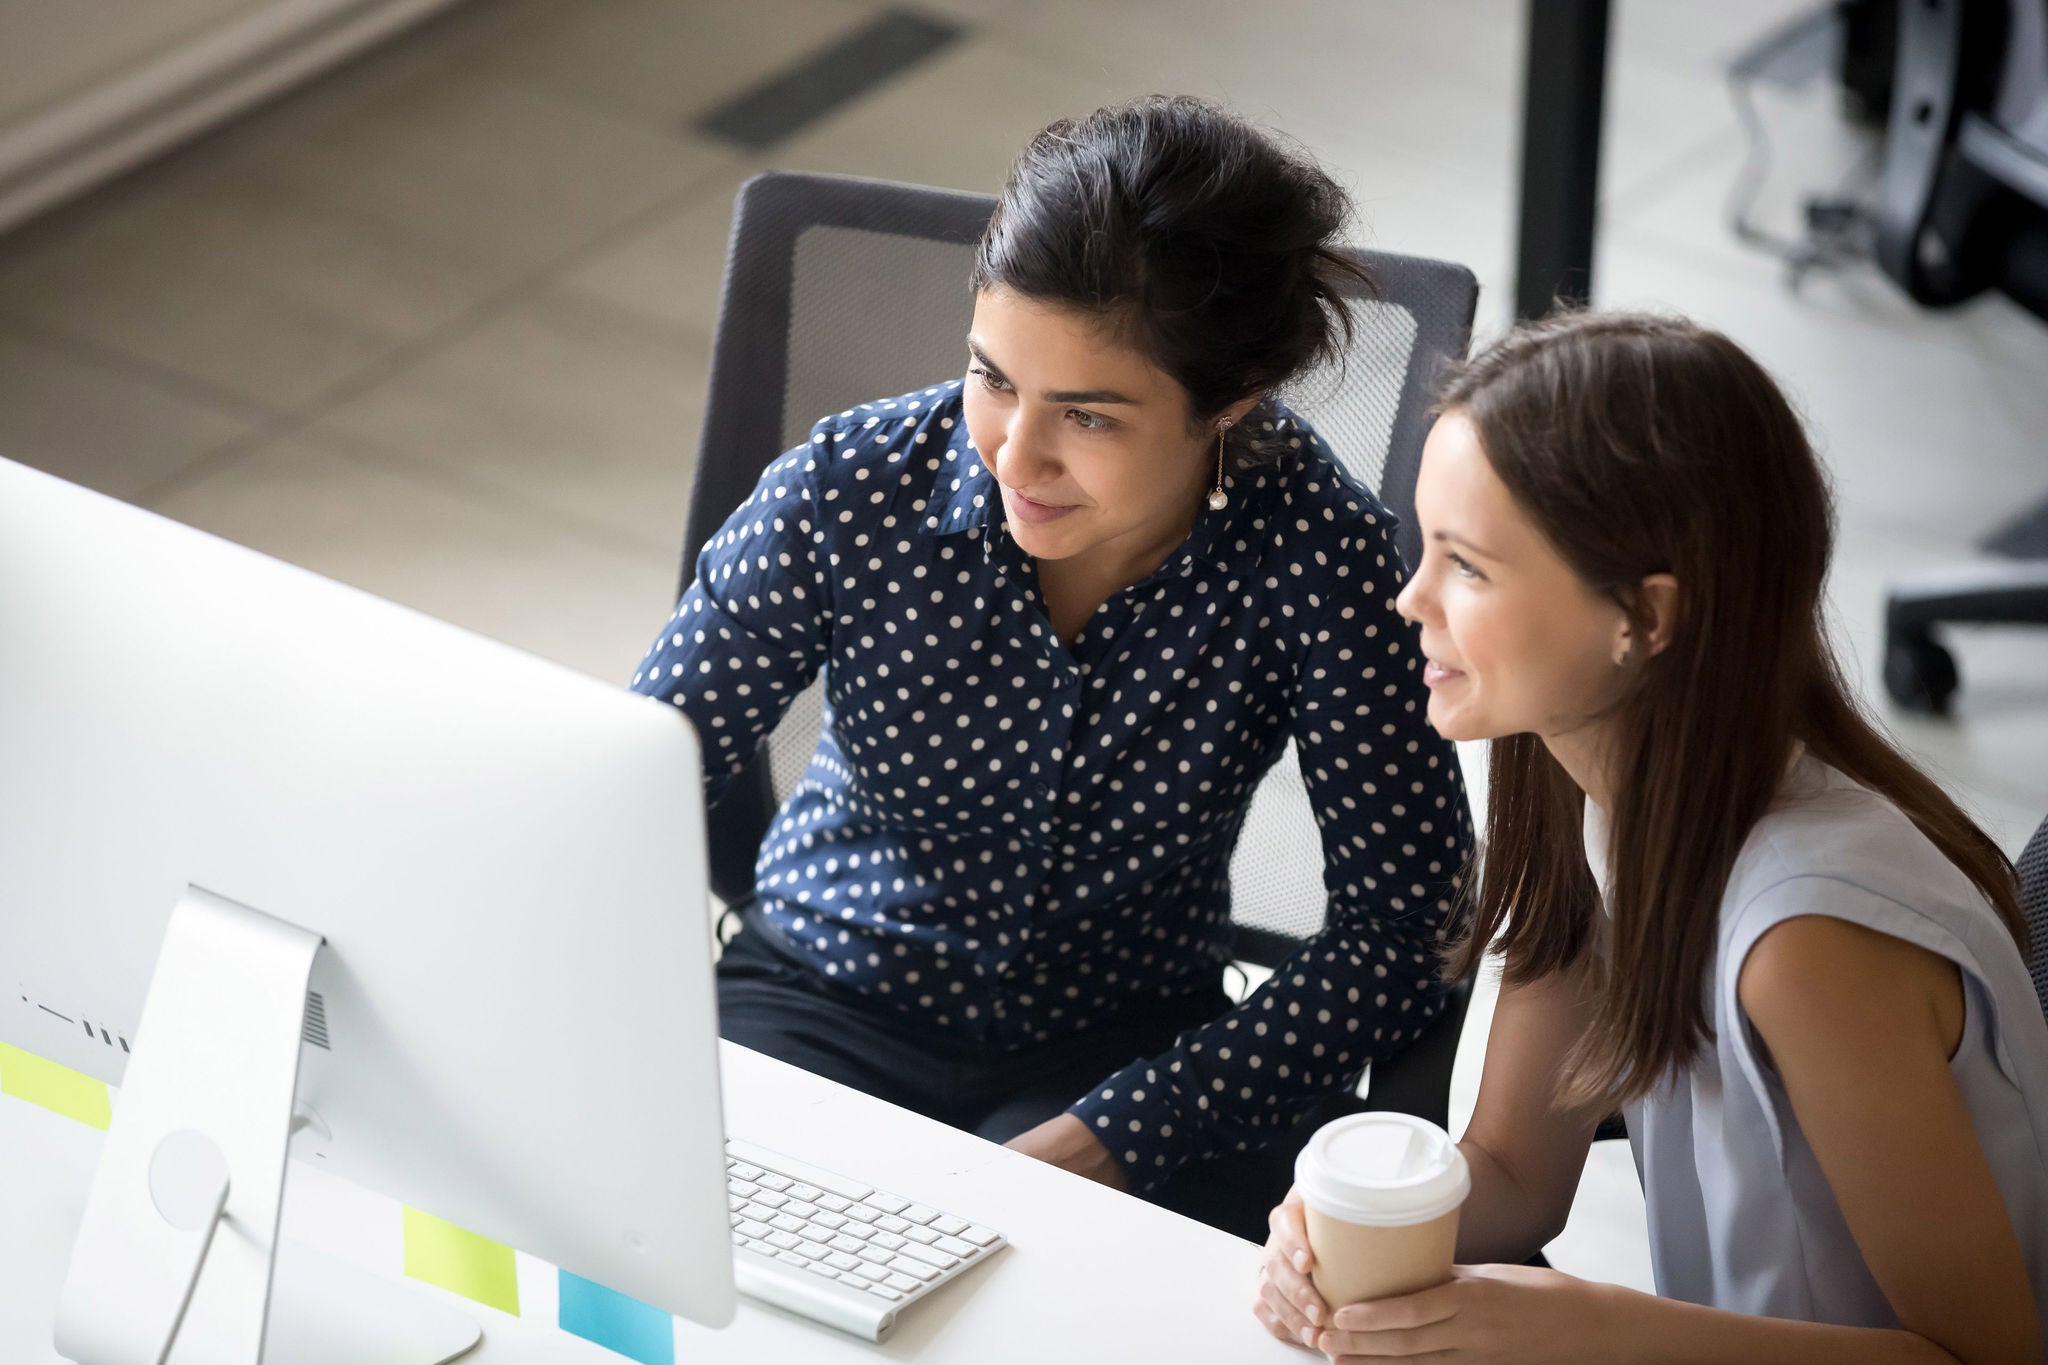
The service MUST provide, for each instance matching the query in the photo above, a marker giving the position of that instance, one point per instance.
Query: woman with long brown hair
(1725, 903)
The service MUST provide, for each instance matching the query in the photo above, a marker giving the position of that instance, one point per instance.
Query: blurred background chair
(2033, 866)
(840, 290)
(1964, 208)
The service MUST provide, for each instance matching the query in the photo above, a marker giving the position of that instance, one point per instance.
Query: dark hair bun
(1201, 239)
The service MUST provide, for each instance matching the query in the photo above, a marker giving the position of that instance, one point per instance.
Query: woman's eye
(989, 380)
(1465, 567)
(1088, 421)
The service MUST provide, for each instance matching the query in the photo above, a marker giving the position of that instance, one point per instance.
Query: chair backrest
(2033, 867)
(839, 290)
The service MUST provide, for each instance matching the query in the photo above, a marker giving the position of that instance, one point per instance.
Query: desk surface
(1090, 1275)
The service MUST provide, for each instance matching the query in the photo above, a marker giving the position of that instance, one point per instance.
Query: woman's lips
(1435, 674)
(1033, 512)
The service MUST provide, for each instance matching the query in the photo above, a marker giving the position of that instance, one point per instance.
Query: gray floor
(438, 325)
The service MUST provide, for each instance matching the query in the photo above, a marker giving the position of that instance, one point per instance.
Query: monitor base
(326, 1311)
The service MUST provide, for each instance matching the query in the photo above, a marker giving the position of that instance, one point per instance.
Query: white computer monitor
(212, 764)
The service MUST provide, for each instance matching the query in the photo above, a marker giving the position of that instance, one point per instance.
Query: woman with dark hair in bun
(1069, 610)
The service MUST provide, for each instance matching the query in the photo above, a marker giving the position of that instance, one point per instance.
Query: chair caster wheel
(1920, 675)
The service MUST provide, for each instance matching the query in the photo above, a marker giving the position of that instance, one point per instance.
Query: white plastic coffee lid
(1382, 1169)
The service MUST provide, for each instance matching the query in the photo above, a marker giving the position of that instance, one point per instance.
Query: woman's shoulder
(1296, 475)
(1833, 847)
(888, 446)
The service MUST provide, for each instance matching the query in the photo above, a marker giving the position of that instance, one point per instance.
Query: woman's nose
(1411, 601)
(1024, 460)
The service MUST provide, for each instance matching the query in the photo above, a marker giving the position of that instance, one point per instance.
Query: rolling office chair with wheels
(2033, 866)
(1964, 209)
(838, 290)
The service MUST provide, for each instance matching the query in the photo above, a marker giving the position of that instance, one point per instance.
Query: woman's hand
(1485, 1313)
(1064, 1141)
(1287, 1301)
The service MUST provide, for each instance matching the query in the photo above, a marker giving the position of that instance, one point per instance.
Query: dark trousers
(771, 1001)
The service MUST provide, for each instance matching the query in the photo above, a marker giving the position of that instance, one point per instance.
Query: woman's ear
(1236, 412)
(1659, 602)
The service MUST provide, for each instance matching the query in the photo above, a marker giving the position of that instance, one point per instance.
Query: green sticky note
(73, 1094)
(460, 1261)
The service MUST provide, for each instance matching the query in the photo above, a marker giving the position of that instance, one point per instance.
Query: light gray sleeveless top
(1741, 1216)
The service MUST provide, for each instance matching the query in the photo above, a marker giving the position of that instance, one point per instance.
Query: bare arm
(1526, 1154)
(1860, 1027)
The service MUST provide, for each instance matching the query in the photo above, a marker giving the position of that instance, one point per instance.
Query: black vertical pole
(1563, 82)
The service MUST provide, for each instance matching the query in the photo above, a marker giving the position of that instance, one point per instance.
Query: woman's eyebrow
(1055, 395)
(1479, 550)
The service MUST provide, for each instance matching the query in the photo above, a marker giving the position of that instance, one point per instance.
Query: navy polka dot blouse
(1009, 838)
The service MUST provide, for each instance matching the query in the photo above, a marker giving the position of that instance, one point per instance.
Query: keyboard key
(932, 1256)
(872, 1272)
(792, 1257)
(888, 1203)
(802, 1191)
(863, 1213)
(745, 1189)
(771, 1199)
(953, 1246)
(905, 1266)
(797, 1208)
(887, 1241)
(891, 1223)
(827, 1271)
(743, 1170)
(924, 1235)
(902, 1282)
(786, 1223)
(884, 1291)
(784, 1240)
(949, 1225)
(875, 1256)
(770, 1180)
(828, 1220)
(917, 1213)
(833, 1202)
(981, 1237)
(753, 1208)
(814, 1250)
(840, 1260)
(751, 1228)
(735, 1202)
(846, 1244)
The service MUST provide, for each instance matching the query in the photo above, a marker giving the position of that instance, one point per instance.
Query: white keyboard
(838, 1251)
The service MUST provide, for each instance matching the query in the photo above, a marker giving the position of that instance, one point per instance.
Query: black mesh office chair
(839, 290)
(1964, 209)
(2033, 867)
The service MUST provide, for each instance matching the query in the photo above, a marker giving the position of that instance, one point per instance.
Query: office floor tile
(669, 271)
(101, 421)
(588, 415)
(656, 64)
(508, 177)
(238, 284)
(437, 546)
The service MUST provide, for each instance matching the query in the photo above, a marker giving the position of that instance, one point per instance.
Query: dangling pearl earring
(1218, 499)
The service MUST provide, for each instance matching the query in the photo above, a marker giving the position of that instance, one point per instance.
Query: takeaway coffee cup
(1382, 1193)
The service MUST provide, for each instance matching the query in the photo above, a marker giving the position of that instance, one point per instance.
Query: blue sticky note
(617, 1323)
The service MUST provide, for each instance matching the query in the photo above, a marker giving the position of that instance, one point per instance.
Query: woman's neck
(1585, 754)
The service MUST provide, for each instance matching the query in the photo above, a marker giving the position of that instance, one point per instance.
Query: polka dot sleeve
(1390, 805)
(753, 629)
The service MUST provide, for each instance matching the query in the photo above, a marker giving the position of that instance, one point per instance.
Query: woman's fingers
(1282, 1317)
(1290, 1233)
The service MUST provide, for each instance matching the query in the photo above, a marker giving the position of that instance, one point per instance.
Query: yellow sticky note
(460, 1261)
(73, 1094)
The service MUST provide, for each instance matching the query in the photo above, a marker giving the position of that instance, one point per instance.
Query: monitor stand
(175, 1252)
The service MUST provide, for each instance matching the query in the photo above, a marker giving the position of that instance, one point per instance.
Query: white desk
(1090, 1276)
